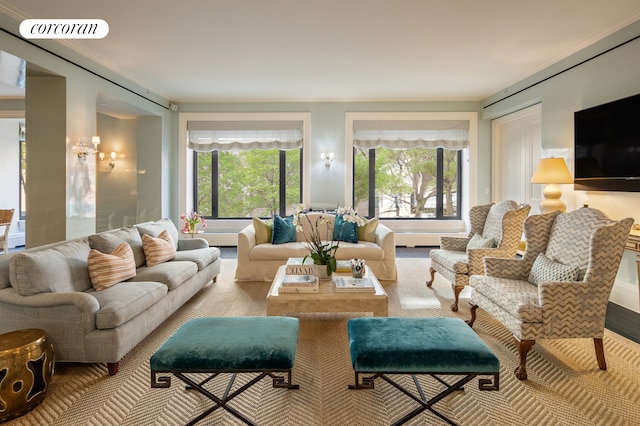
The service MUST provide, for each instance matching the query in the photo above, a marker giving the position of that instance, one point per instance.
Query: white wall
(79, 105)
(610, 75)
(9, 172)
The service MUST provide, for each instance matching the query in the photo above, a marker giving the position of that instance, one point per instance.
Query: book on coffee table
(298, 284)
(354, 284)
(295, 266)
(305, 280)
(297, 290)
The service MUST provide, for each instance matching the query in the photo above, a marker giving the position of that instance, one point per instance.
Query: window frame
(187, 164)
(468, 179)
(439, 186)
(282, 193)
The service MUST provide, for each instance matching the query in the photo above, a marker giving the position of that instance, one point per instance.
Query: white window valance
(405, 134)
(204, 136)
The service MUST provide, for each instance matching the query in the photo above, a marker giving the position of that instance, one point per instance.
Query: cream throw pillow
(367, 232)
(106, 270)
(158, 250)
(263, 229)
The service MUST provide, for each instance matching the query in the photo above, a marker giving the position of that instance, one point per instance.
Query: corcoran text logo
(64, 28)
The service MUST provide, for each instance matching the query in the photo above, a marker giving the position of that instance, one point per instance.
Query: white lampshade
(551, 170)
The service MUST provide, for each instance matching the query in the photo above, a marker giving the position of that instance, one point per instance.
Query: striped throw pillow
(158, 250)
(106, 270)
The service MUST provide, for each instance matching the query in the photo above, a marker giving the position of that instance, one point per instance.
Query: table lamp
(552, 171)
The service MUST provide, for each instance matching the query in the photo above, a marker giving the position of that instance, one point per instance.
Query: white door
(516, 147)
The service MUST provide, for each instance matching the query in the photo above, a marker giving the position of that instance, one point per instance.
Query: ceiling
(322, 50)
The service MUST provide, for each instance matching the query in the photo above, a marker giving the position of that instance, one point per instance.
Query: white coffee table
(328, 299)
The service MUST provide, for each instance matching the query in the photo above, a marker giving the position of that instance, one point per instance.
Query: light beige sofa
(49, 287)
(259, 262)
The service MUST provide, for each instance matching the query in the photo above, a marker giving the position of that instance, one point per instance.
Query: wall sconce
(82, 150)
(112, 158)
(552, 171)
(327, 159)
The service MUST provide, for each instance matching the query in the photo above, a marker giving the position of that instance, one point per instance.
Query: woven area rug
(565, 386)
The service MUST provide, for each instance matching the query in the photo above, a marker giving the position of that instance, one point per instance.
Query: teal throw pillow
(545, 270)
(345, 231)
(284, 231)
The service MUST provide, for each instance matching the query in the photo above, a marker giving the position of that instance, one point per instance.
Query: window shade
(207, 136)
(405, 134)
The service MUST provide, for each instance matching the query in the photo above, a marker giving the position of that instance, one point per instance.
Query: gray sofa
(49, 287)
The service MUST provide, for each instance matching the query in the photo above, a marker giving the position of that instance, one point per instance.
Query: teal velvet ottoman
(431, 346)
(262, 345)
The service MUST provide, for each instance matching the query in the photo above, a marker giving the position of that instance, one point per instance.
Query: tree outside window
(408, 167)
(257, 182)
(407, 183)
(246, 168)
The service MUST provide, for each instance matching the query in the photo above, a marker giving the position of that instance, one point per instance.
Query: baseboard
(417, 239)
(626, 295)
(16, 240)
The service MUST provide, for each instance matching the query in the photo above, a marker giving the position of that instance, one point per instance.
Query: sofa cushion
(172, 274)
(158, 249)
(456, 261)
(106, 270)
(201, 257)
(155, 228)
(106, 242)
(123, 301)
(546, 270)
(263, 230)
(517, 298)
(367, 232)
(284, 231)
(345, 231)
(360, 250)
(32, 272)
(279, 251)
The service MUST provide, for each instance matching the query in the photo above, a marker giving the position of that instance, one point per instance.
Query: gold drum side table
(27, 362)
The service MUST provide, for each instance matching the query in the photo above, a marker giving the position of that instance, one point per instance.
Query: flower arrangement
(323, 247)
(191, 221)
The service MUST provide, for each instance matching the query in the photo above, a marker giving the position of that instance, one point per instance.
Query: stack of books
(299, 277)
(295, 266)
(354, 284)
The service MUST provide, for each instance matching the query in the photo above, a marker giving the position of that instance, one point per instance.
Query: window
(406, 166)
(247, 183)
(407, 183)
(245, 167)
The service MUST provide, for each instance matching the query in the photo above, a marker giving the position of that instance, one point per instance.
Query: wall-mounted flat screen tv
(607, 146)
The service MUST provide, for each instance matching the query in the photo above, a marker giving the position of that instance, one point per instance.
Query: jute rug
(565, 386)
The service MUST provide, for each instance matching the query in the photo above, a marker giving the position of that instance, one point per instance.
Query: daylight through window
(408, 168)
(246, 168)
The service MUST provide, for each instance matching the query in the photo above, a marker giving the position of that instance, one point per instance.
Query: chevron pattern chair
(560, 288)
(496, 230)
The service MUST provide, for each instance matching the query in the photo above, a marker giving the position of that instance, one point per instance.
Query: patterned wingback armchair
(560, 288)
(496, 230)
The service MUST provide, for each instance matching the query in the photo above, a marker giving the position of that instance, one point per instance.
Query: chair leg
(113, 367)
(524, 346)
(456, 296)
(597, 342)
(433, 273)
(472, 308)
